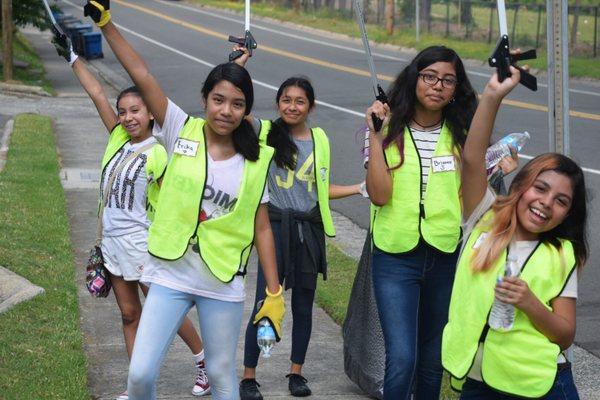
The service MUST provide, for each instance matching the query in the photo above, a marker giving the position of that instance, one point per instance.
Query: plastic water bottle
(265, 337)
(502, 315)
(501, 148)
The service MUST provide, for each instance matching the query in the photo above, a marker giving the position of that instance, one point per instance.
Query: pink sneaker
(201, 387)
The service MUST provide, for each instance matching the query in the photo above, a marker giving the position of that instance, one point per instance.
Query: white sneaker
(122, 396)
(201, 387)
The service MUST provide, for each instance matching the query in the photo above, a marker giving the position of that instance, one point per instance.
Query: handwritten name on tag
(443, 164)
(186, 147)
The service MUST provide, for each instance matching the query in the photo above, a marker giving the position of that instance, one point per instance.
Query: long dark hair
(504, 223)
(245, 140)
(279, 137)
(402, 98)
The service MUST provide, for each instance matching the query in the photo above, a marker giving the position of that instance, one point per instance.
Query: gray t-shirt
(296, 189)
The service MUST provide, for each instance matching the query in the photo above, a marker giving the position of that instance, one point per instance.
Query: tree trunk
(7, 33)
(426, 13)
(466, 17)
(389, 16)
(575, 24)
(296, 5)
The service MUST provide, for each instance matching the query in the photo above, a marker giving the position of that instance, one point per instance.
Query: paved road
(181, 44)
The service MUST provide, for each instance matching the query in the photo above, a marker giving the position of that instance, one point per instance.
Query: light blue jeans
(162, 314)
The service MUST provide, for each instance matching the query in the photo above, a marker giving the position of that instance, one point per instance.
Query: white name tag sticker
(443, 164)
(480, 240)
(186, 147)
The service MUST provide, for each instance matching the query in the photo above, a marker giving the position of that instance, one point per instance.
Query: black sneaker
(298, 386)
(249, 390)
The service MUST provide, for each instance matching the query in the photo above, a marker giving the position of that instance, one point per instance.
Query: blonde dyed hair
(503, 224)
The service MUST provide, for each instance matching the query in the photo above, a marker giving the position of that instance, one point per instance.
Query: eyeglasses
(432, 80)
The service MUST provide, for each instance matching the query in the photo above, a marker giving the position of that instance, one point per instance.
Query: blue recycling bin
(92, 45)
(75, 32)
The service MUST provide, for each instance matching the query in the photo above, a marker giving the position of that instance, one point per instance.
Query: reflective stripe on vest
(321, 169)
(154, 164)
(521, 361)
(225, 242)
(398, 225)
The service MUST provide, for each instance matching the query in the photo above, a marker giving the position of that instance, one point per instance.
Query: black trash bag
(364, 350)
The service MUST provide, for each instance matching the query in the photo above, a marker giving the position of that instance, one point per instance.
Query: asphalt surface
(181, 44)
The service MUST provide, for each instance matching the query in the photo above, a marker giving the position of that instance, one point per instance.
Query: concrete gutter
(15, 289)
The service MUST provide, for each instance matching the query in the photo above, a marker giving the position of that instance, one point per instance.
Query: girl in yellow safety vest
(413, 181)
(538, 233)
(127, 208)
(210, 212)
(299, 192)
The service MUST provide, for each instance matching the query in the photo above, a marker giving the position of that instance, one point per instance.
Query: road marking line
(326, 64)
(328, 44)
(264, 28)
(257, 82)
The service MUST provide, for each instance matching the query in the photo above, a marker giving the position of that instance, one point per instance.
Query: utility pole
(558, 76)
(417, 20)
(7, 55)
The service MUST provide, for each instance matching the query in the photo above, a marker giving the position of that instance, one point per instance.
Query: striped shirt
(425, 141)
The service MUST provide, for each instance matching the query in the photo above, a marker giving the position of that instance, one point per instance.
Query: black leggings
(302, 306)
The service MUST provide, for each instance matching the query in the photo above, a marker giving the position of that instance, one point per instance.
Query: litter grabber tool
(501, 59)
(61, 41)
(379, 93)
(58, 32)
(247, 41)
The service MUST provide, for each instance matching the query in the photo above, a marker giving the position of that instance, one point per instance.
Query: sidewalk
(81, 139)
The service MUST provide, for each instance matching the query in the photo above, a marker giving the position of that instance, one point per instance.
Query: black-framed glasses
(432, 80)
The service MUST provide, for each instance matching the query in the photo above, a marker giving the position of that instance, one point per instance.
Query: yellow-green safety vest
(398, 225)
(155, 164)
(321, 168)
(224, 242)
(522, 360)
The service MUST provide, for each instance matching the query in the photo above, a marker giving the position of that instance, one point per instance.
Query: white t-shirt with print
(522, 249)
(125, 206)
(189, 274)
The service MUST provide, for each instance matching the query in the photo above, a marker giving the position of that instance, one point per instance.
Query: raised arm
(474, 177)
(90, 84)
(379, 178)
(96, 93)
(153, 96)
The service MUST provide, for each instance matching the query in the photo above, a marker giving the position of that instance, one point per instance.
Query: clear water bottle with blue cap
(501, 148)
(265, 337)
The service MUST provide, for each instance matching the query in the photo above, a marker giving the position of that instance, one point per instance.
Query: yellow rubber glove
(98, 10)
(273, 309)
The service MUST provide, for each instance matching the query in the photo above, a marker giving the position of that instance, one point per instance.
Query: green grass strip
(336, 21)
(34, 74)
(41, 344)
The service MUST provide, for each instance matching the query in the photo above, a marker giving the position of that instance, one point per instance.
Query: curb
(15, 88)
(7, 132)
(15, 289)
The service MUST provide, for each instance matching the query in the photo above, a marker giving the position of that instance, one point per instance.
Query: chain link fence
(474, 20)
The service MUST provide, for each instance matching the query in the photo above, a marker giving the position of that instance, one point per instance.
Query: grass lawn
(34, 74)
(41, 353)
(579, 66)
(334, 293)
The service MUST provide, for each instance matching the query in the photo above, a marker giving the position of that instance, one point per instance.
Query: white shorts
(126, 255)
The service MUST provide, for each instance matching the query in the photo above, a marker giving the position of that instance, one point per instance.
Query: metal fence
(475, 20)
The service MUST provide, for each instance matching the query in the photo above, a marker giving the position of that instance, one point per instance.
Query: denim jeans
(563, 389)
(302, 311)
(162, 314)
(412, 291)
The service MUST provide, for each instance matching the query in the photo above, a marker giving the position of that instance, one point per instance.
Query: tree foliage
(29, 12)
